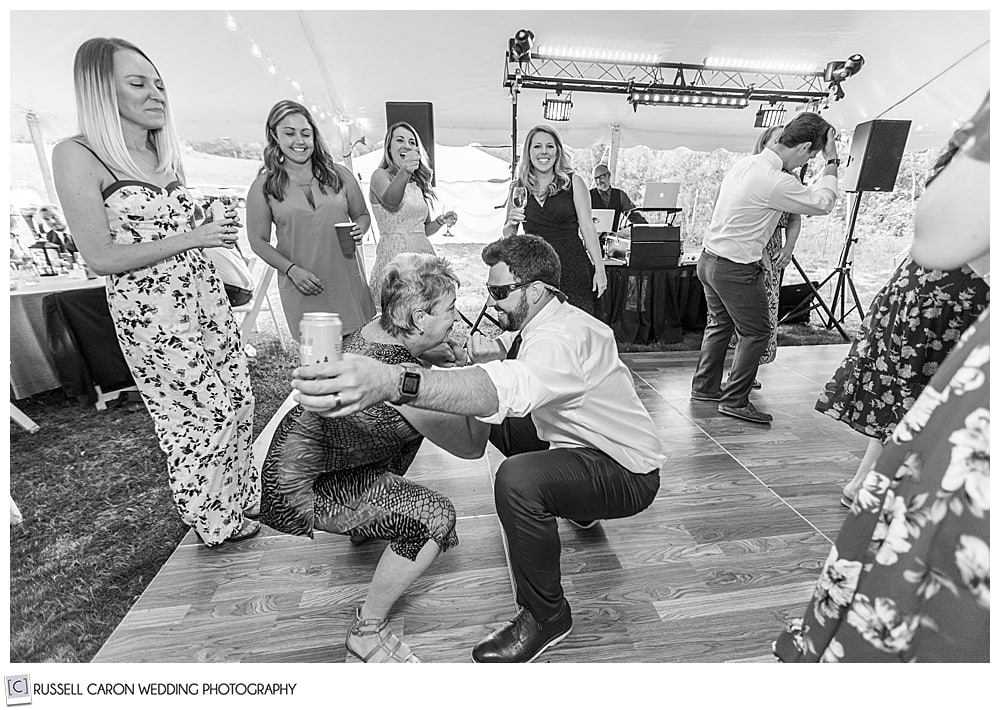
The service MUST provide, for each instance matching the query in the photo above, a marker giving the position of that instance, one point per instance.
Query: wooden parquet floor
(729, 550)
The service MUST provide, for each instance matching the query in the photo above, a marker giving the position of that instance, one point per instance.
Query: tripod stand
(844, 281)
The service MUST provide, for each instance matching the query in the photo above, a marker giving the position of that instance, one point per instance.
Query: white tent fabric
(933, 64)
(471, 182)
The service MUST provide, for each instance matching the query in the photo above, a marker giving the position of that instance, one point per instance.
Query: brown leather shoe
(748, 413)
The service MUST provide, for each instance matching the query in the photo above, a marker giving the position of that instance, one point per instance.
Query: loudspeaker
(654, 233)
(653, 255)
(420, 115)
(876, 151)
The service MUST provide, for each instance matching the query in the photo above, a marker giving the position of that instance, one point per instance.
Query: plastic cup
(347, 243)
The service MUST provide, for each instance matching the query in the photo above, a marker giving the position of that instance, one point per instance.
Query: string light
(272, 68)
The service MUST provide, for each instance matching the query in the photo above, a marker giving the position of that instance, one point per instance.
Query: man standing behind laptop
(605, 197)
(752, 197)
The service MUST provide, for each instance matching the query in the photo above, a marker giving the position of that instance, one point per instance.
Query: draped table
(34, 367)
(644, 306)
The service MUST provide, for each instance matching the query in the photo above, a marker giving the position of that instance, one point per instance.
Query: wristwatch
(833, 161)
(409, 385)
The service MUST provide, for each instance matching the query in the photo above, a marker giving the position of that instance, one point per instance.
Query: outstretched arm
(357, 382)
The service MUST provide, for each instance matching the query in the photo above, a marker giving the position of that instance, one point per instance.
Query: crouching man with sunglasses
(579, 443)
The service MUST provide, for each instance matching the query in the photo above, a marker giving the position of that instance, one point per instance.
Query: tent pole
(43, 161)
(514, 88)
(616, 139)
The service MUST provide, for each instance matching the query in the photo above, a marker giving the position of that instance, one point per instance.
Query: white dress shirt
(579, 393)
(752, 197)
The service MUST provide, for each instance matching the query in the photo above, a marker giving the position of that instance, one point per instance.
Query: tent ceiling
(455, 60)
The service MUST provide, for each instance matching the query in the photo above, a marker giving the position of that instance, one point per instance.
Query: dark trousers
(536, 485)
(736, 300)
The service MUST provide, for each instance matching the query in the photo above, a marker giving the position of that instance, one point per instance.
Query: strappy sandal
(248, 529)
(392, 649)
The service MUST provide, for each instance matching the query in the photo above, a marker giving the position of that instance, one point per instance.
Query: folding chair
(261, 301)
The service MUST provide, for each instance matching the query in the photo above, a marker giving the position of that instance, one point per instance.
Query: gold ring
(337, 403)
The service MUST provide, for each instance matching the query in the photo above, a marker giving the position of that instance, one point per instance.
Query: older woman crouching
(345, 475)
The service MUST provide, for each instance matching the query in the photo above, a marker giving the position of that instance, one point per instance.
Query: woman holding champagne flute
(401, 195)
(553, 202)
(305, 195)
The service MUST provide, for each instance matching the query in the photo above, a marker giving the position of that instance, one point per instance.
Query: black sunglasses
(501, 292)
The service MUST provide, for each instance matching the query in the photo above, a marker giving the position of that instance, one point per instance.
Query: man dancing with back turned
(579, 443)
(752, 197)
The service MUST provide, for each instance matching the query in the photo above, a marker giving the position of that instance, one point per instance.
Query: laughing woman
(401, 196)
(121, 185)
(304, 194)
(558, 211)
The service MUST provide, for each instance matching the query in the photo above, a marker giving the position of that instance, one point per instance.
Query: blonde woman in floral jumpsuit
(120, 184)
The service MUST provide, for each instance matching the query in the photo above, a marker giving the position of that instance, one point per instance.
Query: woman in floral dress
(908, 578)
(121, 186)
(912, 325)
(401, 194)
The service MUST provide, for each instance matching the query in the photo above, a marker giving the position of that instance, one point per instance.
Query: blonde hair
(98, 114)
(563, 171)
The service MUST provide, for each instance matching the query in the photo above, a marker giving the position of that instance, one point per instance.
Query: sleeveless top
(183, 290)
(305, 234)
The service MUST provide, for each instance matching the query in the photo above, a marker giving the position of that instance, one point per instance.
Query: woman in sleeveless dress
(121, 187)
(345, 475)
(558, 211)
(304, 194)
(401, 195)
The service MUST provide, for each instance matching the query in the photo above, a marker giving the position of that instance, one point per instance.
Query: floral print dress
(181, 342)
(908, 578)
(914, 322)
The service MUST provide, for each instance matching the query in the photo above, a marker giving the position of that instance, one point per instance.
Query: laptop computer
(661, 195)
(604, 220)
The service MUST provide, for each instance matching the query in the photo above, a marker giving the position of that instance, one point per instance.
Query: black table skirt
(644, 306)
(83, 343)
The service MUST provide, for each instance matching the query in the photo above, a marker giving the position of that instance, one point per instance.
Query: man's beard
(514, 320)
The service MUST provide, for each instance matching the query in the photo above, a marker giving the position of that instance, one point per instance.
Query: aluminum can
(319, 338)
(218, 206)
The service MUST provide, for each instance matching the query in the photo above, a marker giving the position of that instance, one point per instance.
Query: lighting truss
(639, 75)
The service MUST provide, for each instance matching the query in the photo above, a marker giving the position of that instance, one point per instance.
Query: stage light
(556, 107)
(691, 100)
(836, 72)
(519, 46)
(766, 65)
(230, 23)
(767, 117)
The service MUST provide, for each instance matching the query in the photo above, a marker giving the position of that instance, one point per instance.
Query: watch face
(410, 384)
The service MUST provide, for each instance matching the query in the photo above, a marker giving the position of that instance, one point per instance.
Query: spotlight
(767, 117)
(836, 72)
(556, 107)
(519, 46)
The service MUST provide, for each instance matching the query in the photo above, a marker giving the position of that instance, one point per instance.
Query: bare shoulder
(74, 164)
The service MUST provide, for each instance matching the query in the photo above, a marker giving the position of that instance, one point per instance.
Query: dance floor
(728, 551)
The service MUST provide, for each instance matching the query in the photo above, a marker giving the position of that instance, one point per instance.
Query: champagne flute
(520, 197)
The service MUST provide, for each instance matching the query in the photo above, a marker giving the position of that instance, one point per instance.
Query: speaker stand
(844, 281)
(843, 273)
(820, 303)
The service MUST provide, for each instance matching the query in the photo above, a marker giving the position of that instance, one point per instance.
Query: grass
(99, 520)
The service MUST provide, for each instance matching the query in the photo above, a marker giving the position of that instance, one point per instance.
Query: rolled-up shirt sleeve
(790, 195)
(544, 376)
